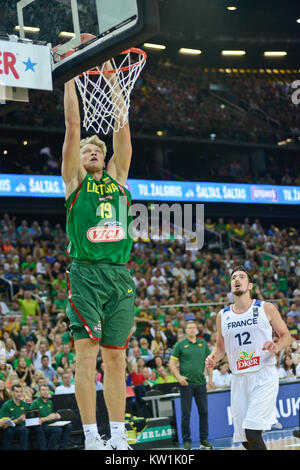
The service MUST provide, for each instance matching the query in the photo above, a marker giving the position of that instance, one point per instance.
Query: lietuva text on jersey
(244, 336)
(102, 189)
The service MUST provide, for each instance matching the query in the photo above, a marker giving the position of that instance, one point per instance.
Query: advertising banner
(160, 191)
(25, 65)
(219, 414)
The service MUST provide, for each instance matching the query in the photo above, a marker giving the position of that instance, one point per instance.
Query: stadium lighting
(66, 34)
(231, 8)
(233, 52)
(275, 53)
(29, 29)
(154, 46)
(298, 20)
(184, 50)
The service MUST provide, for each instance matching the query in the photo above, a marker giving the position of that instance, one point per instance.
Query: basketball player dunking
(244, 333)
(100, 289)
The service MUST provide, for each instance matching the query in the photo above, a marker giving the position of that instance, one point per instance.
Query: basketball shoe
(119, 443)
(96, 443)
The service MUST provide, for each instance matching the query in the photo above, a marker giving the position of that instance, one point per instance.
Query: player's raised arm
(71, 147)
(119, 164)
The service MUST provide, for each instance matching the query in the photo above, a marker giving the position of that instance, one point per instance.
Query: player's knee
(114, 358)
(86, 354)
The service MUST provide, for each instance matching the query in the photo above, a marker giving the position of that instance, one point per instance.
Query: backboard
(117, 25)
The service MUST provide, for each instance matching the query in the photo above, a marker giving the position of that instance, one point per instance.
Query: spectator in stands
(295, 313)
(148, 377)
(15, 408)
(158, 361)
(4, 392)
(221, 377)
(158, 345)
(3, 308)
(41, 349)
(5, 369)
(164, 377)
(29, 306)
(137, 378)
(292, 327)
(49, 372)
(288, 370)
(66, 352)
(59, 305)
(170, 335)
(146, 353)
(10, 350)
(143, 321)
(13, 276)
(49, 437)
(22, 353)
(24, 372)
(67, 387)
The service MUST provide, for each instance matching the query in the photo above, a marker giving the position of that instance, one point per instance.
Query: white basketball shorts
(253, 401)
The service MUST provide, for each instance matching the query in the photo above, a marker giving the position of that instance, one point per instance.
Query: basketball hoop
(105, 93)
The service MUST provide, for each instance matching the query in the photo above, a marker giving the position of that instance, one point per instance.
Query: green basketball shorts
(101, 302)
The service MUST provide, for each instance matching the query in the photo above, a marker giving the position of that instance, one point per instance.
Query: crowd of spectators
(178, 101)
(194, 101)
(172, 286)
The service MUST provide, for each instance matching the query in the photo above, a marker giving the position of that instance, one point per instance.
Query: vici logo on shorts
(247, 360)
(98, 327)
(105, 234)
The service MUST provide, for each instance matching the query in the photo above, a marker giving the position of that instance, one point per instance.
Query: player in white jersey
(244, 333)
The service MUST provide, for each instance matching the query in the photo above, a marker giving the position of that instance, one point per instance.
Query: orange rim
(122, 69)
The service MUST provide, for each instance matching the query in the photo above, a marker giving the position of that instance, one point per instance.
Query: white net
(106, 93)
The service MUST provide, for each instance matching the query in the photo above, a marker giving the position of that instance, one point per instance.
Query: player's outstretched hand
(210, 361)
(271, 347)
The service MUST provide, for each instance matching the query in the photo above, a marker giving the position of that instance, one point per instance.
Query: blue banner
(156, 190)
(219, 414)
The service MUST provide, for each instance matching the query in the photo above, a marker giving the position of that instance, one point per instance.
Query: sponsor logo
(255, 311)
(129, 291)
(157, 433)
(247, 360)
(8, 61)
(105, 234)
(98, 327)
(106, 198)
(264, 194)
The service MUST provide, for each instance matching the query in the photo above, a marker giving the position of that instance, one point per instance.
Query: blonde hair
(94, 139)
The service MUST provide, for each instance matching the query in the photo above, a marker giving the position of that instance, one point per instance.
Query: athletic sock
(117, 429)
(90, 430)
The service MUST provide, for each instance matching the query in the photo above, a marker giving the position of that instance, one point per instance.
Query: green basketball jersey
(98, 217)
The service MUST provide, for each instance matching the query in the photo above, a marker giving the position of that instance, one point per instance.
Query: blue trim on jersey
(257, 303)
(226, 309)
